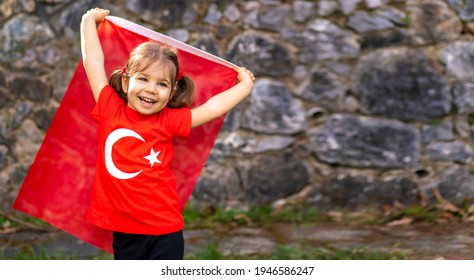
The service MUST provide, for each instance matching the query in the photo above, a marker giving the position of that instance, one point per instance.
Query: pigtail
(184, 94)
(115, 82)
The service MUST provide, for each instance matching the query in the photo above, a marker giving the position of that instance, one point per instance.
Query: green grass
(29, 254)
(211, 251)
(419, 213)
(289, 252)
(262, 215)
(39, 253)
(406, 20)
(21, 220)
(470, 118)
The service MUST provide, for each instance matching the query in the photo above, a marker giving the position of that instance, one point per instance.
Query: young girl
(140, 111)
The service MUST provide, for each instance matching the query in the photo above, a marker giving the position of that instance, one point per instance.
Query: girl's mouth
(147, 100)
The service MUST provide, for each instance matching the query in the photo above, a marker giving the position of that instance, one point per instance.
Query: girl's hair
(142, 57)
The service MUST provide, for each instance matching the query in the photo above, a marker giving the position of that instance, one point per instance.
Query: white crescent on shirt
(113, 137)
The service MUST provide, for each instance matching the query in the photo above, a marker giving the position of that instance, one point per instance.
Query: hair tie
(180, 75)
(124, 70)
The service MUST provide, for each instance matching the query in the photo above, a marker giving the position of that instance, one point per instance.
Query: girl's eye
(142, 79)
(162, 85)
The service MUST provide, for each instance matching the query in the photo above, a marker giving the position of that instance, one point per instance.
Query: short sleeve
(178, 121)
(108, 99)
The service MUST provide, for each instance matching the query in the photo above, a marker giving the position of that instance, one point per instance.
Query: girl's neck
(137, 115)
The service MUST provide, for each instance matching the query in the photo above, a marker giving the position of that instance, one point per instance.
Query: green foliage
(470, 118)
(222, 216)
(209, 251)
(104, 256)
(13, 52)
(29, 253)
(437, 122)
(18, 219)
(291, 252)
(299, 214)
(4, 220)
(261, 215)
(32, 220)
(406, 20)
(417, 212)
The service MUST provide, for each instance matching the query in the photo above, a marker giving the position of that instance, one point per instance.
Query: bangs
(150, 53)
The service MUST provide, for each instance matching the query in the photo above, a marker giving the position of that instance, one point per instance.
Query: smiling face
(149, 90)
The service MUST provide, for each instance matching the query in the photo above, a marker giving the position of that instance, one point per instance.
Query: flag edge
(146, 32)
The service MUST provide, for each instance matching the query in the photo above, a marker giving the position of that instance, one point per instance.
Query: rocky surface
(358, 103)
(416, 241)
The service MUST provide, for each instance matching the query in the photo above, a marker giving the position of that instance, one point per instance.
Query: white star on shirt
(153, 157)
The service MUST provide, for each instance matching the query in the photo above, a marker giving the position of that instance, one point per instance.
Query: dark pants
(148, 247)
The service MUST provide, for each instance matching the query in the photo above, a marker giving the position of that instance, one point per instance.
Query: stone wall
(358, 103)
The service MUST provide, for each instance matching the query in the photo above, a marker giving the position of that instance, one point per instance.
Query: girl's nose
(151, 87)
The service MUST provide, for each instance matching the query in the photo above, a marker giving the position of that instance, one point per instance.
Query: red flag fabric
(58, 184)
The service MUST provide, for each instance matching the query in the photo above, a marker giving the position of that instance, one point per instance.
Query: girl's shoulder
(177, 120)
(108, 100)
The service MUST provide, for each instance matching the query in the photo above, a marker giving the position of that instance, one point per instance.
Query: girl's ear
(125, 83)
(173, 91)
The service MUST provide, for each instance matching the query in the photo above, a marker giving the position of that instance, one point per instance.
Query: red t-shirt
(135, 189)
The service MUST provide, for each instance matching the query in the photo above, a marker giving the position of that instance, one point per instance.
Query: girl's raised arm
(92, 54)
(224, 101)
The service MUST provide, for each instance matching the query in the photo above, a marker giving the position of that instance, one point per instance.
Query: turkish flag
(58, 184)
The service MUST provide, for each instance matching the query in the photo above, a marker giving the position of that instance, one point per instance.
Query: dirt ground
(419, 241)
(416, 241)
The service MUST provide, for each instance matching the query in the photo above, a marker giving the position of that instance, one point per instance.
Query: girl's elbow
(206, 113)
(216, 110)
(92, 63)
(86, 61)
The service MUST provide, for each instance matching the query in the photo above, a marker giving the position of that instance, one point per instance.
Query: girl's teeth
(147, 100)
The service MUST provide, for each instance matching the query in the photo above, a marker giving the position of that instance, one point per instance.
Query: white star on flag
(153, 157)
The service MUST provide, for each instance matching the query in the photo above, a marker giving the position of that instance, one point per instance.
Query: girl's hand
(244, 75)
(223, 102)
(92, 53)
(97, 14)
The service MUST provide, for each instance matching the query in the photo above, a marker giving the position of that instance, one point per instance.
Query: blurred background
(362, 113)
